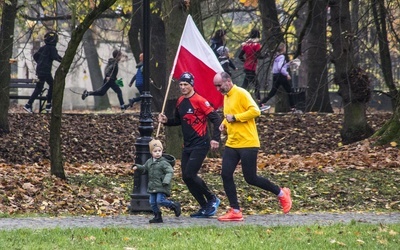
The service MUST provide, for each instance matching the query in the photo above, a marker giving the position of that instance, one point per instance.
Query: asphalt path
(142, 221)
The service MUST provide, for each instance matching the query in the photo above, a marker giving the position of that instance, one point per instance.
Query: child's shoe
(157, 218)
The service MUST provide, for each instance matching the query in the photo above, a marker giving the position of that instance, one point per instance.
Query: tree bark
(6, 46)
(390, 132)
(270, 23)
(354, 85)
(272, 31)
(135, 40)
(174, 23)
(158, 69)
(314, 71)
(56, 158)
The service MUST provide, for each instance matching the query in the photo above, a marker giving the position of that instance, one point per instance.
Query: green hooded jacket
(160, 174)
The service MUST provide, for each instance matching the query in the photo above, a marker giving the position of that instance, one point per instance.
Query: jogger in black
(44, 58)
(111, 72)
(192, 113)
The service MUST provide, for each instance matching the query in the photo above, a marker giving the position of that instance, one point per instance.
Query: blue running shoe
(212, 207)
(200, 214)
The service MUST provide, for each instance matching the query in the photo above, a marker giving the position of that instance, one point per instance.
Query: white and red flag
(194, 55)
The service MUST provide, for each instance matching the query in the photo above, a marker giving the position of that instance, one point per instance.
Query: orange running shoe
(231, 215)
(286, 200)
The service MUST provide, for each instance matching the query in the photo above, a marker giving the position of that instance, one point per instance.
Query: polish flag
(194, 55)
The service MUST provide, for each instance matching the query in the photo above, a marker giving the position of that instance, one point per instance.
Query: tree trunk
(57, 167)
(379, 12)
(158, 68)
(354, 84)
(314, 71)
(135, 29)
(354, 126)
(174, 23)
(355, 24)
(390, 132)
(272, 30)
(92, 57)
(270, 24)
(6, 46)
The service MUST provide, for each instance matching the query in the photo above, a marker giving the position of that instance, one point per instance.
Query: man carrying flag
(196, 60)
(192, 112)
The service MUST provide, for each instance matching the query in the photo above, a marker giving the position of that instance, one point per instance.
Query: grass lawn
(338, 236)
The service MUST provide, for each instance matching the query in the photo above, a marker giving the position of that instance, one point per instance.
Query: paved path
(141, 221)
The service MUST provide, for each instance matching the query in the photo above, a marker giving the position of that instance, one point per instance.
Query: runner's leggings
(39, 88)
(248, 157)
(191, 162)
(106, 86)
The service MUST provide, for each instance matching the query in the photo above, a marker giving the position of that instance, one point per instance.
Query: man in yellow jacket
(240, 111)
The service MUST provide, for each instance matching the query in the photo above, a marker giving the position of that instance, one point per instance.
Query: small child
(159, 187)
(224, 60)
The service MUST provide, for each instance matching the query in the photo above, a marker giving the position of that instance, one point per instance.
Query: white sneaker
(265, 107)
(296, 111)
(28, 108)
(48, 108)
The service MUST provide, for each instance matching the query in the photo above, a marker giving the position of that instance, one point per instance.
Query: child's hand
(134, 167)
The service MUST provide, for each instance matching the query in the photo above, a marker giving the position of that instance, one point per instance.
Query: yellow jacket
(243, 132)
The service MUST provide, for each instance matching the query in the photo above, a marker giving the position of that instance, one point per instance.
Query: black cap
(187, 77)
(51, 38)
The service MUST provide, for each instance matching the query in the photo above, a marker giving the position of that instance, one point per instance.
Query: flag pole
(164, 103)
(170, 78)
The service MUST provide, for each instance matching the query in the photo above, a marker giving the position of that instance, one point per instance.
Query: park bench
(16, 83)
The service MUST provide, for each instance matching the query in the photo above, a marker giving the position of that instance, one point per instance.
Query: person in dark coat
(44, 58)
(218, 40)
(110, 72)
(160, 174)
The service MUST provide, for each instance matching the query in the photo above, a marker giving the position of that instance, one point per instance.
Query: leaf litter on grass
(99, 151)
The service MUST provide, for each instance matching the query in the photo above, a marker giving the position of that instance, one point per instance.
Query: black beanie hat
(187, 77)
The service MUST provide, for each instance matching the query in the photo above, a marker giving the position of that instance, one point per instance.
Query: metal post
(140, 197)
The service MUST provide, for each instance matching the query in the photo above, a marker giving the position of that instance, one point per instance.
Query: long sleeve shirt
(111, 69)
(280, 65)
(243, 132)
(44, 58)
